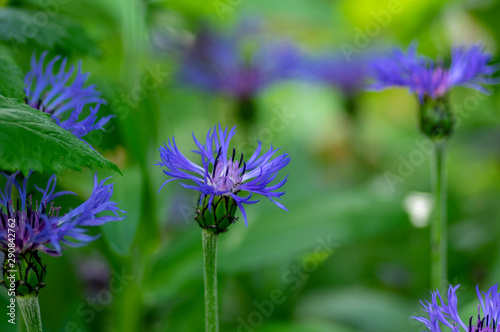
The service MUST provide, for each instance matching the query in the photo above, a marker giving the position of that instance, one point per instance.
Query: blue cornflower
(218, 63)
(447, 314)
(335, 70)
(222, 176)
(469, 67)
(63, 95)
(39, 226)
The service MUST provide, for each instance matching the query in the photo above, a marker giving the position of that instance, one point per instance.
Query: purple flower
(40, 226)
(469, 67)
(442, 314)
(216, 63)
(336, 71)
(222, 173)
(62, 94)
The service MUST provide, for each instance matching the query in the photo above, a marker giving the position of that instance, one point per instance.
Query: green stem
(438, 228)
(31, 312)
(210, 277)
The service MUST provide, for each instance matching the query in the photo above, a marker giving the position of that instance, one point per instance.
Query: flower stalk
(210, 242)
(438, 227)
(31, 312)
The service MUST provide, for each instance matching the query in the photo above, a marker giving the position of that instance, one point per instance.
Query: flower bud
(26, 275)
(436, 118)
(246, 110)
(219, 215)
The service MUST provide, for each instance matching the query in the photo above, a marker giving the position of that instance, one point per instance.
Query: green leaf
(47, 29)
(30, 139)
(11, 76)
(120, 235)
(345, 305)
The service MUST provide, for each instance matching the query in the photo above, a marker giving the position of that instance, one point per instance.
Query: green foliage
(47, 29)
(30, 139)
(120, 235)
(11, 83)
(377, 308)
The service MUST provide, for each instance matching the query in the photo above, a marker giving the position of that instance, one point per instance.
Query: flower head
(335, 70)
(217, 63)
(62, 94)
(223, 175)
(39, 225)
(469, 67)
(446, 314)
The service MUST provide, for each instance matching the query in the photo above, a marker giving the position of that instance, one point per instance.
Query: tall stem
(210, 241)
(31, 312)
(438, 228)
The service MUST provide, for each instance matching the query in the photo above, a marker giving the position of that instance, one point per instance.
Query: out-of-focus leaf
(315, 326)
(47, 29)
(179, 266)
(339, 218)
(31, 140)
(120, 235)
(363, 308)
(11, 76)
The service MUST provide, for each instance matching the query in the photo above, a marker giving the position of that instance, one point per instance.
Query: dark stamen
(215, 167)
(216, 161)
(234, 151)
(244, 167)
(241, 160)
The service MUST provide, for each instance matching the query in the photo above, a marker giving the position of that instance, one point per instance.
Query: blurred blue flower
(222, 173)
(447, 314)
(39, 224)
(335, 70)
(469, 67)
(218, 63)
(62, 94)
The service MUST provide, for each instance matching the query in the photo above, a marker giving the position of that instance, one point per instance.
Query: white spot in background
(419, 207)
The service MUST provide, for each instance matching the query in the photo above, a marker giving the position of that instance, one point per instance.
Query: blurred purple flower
(447, 314)
(217, 63)
(223, 173)
(469, 67)
(334, 70)
(37, 225)
(62, 94)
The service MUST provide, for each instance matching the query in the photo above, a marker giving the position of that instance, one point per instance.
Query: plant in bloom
(217, 63)
(231, 65)
(432, 80)
(445, 315)
(223, 176)
(62, 94)
(28, 226)
(347, 76)
(469, 67)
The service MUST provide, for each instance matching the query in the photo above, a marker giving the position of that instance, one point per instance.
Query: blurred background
(352, 253)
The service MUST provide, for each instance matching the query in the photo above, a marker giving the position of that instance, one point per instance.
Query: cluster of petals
(469, 67)
(39, 225)
(444, 314)
(222, 172)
